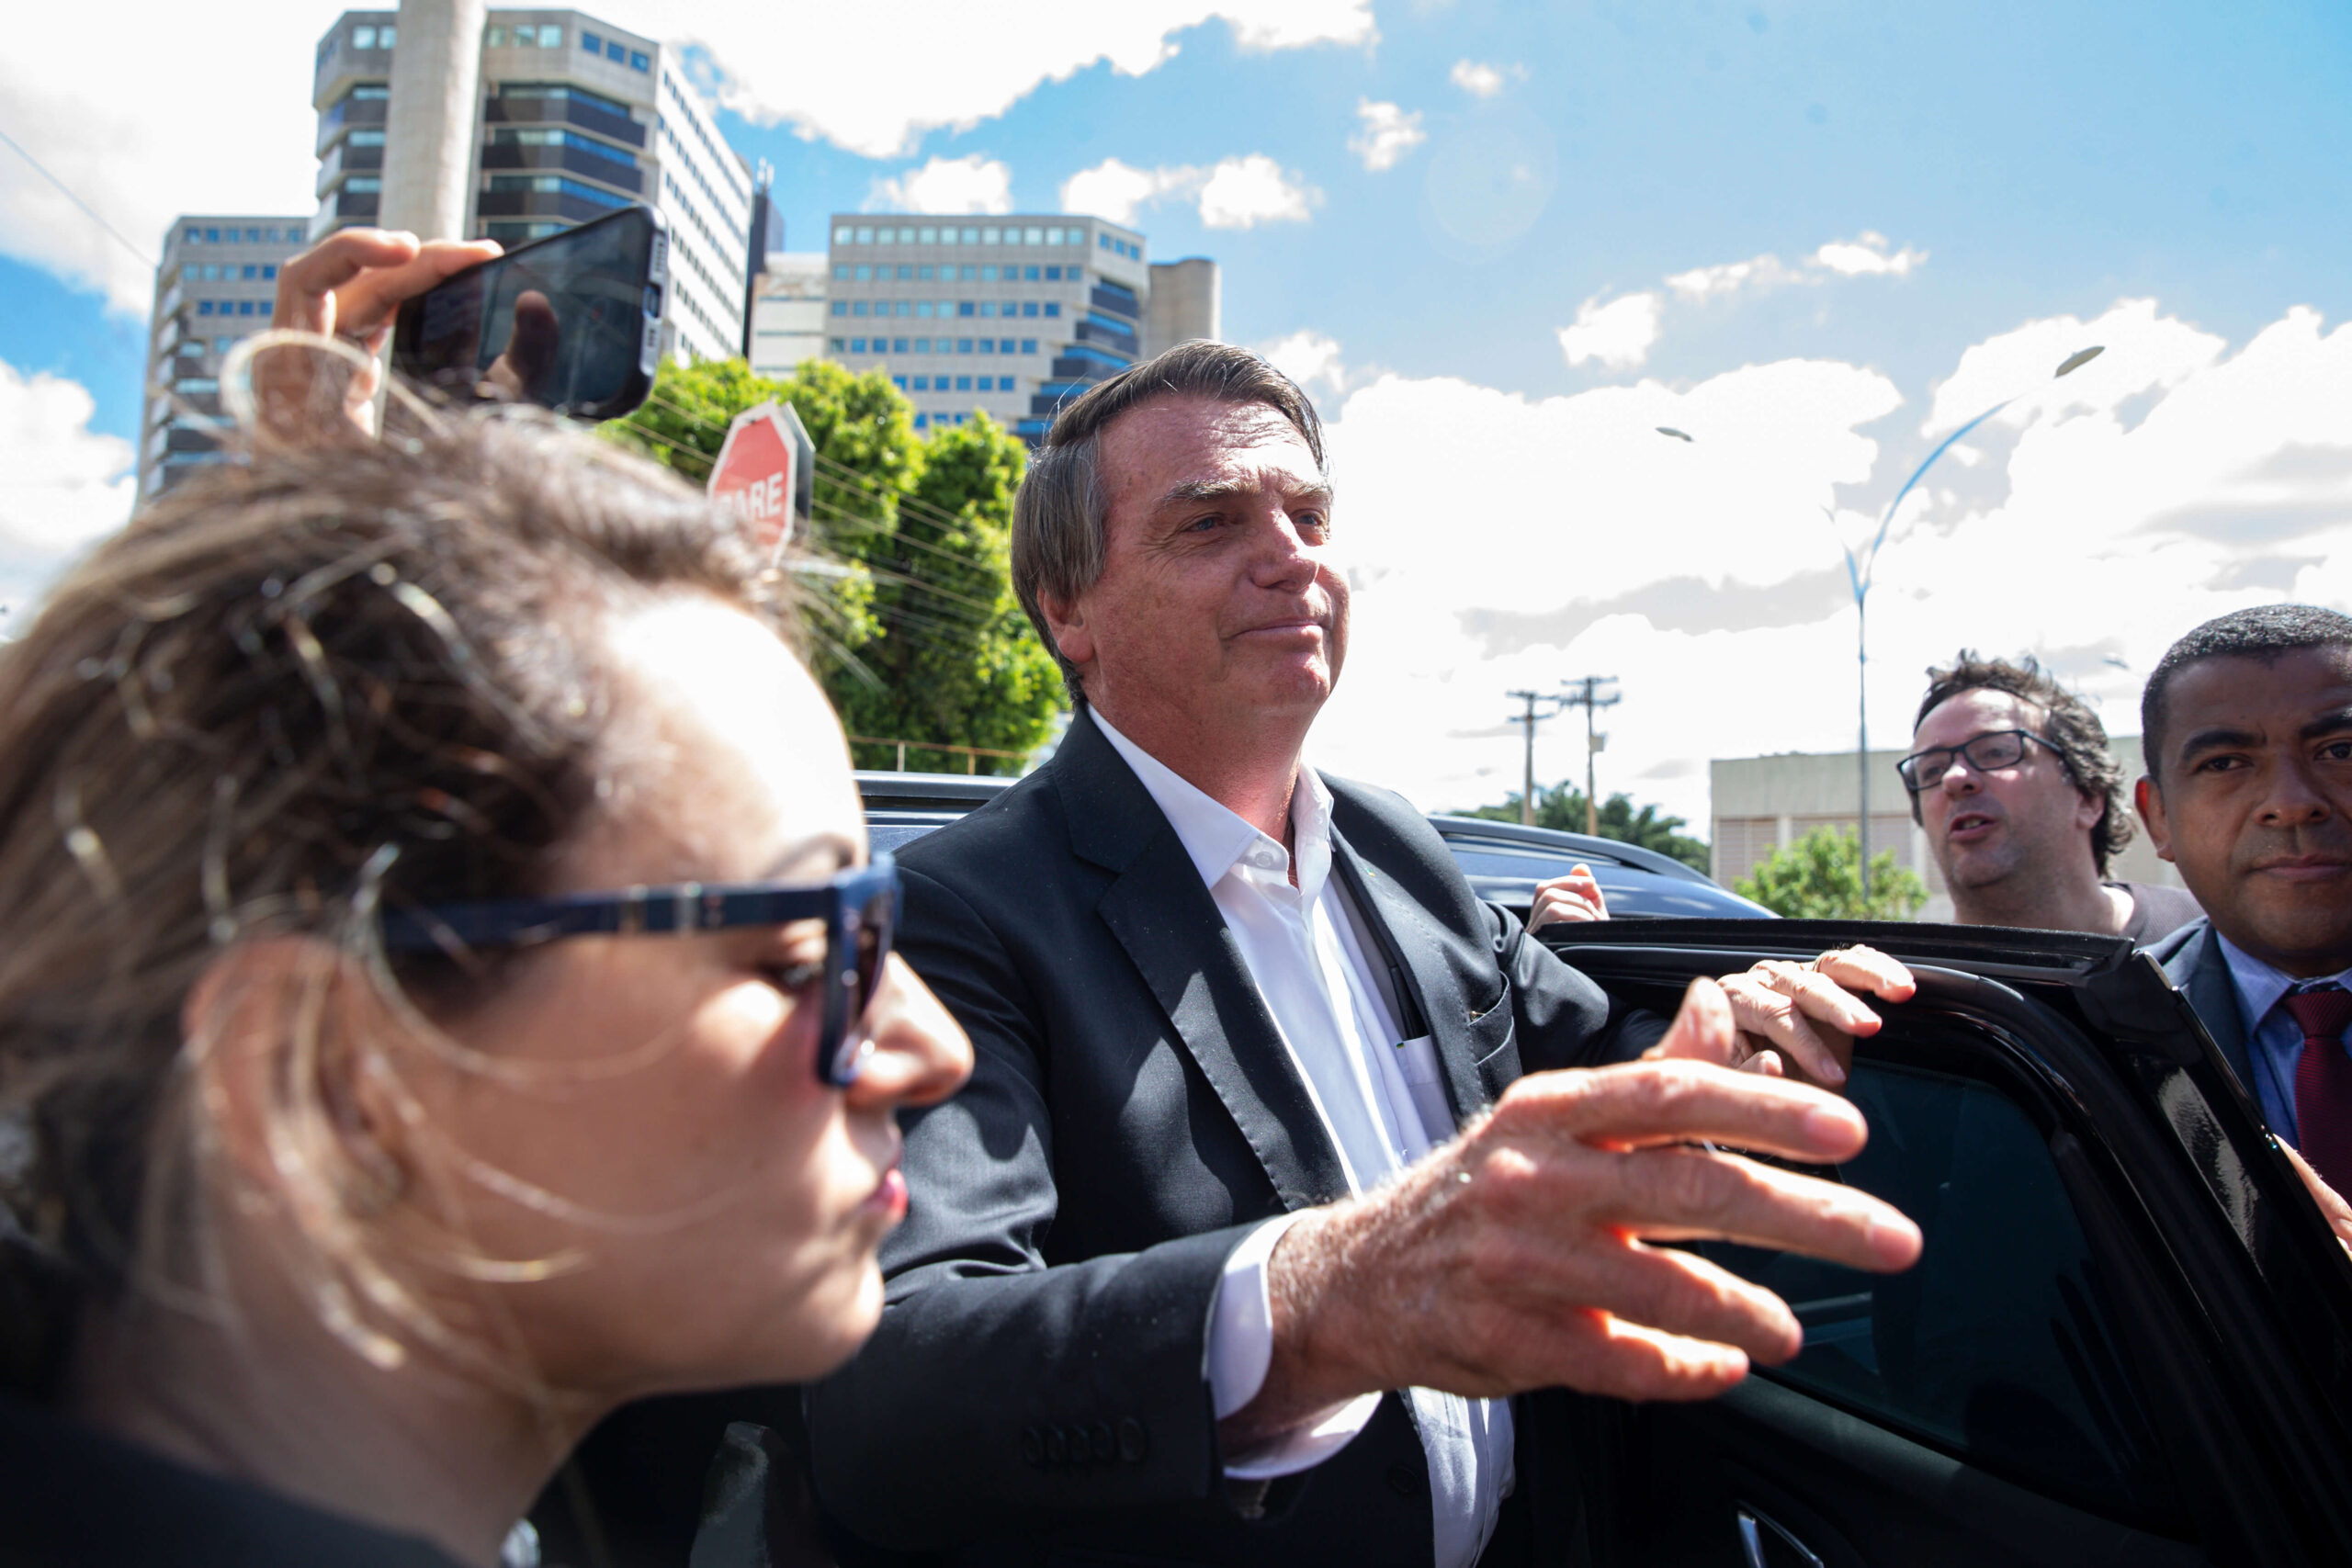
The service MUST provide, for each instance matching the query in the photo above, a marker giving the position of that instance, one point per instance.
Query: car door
(2126, 1341)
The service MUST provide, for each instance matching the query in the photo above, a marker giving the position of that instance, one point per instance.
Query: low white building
(787, 312)
(1760, 803)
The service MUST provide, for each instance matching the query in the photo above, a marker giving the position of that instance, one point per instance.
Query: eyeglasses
(1994, 748)
(859, 906)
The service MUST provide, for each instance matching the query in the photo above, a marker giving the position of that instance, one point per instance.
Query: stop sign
(760, 470)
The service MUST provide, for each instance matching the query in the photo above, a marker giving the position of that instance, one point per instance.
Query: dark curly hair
(2073, 731)
(2264, 633)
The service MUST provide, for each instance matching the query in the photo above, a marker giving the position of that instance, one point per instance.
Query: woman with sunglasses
(444, 995)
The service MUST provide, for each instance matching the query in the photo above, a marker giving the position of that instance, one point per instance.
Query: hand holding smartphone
(572, 323)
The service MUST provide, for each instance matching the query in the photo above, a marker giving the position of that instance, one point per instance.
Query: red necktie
(2323, 1082)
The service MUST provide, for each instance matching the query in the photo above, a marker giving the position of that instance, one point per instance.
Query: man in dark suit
(2247, 728)
(1262, 1200)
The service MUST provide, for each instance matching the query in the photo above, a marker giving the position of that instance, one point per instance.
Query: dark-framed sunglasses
(860, 908)
(1993, 749)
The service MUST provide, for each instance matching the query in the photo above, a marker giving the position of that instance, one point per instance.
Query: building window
(900, 382)
(363, 37)
(1053, 308)
(906, 275)
(1029, 307)
(1103, 240)
(840, 273)
(364, 186)
(971, 237)
(212, 236)
(841, 307)
(616, 53)
(837, 345)
(988, 345)
(204, 307)
(591, 42)
(842, 235)
(930, 235)
(965, 307)
(638, 62)
(858, 308)
(863, 275)
(192, 348)
(990, 236)
(988, 307)
(1005, 346)
(923, 344)
(496, 37)
(1032, 236)
(865, 236)
(193, 234)
(897, 346)
(356, 139)
(969, 274)
(1053, 236)
(223, 344)
(549, 37)
(963, 346)
(922, 384)
(857, 345)
(963, 383)
(920, 419)
(1028, 345)
(269, 270)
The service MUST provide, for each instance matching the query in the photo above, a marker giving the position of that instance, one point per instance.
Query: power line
(89, 211)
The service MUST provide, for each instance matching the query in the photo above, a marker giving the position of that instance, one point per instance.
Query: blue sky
(1934, 205)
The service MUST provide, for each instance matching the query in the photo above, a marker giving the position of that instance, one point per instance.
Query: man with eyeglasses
(2023, 804)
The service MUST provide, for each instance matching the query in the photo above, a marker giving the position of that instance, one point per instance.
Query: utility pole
(1529, 718)
(1591, 701)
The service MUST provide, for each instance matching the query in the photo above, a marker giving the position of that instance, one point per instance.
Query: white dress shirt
(1381, 1099)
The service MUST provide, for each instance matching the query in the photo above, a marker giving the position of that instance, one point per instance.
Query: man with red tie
(2247, 726)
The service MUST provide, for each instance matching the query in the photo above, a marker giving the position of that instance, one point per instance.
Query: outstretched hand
(1522, 1254)
(1575, 896)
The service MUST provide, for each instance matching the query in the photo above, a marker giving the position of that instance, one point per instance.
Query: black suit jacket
(1037, 1391)
(2194, 963)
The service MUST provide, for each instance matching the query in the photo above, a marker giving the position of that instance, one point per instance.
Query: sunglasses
(860, 909)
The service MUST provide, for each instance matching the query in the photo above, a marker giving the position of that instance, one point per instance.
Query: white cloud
(1386, 134)
(1242, 193)
(1480, 80)
(1235, 193)
(1758, 275)
(969, 184)
(2110, 514)
(1867, 257)
(1619, 334)
(122, 139)
(63, 486)
(952, 65)
(1307, 358)
(119, 135)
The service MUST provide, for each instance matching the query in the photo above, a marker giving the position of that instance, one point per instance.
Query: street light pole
(1859, 573)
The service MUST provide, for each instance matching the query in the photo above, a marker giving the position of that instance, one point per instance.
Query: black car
(2130, 1337)
(1503, 861)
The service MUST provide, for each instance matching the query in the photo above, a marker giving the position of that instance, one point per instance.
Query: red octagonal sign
(755, 477)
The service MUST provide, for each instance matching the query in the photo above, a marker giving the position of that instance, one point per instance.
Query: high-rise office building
(787, 312)
(1009, 315)
(577, 118)
(216, 284)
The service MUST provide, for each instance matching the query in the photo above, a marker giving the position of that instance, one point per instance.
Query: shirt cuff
(1241, 1349)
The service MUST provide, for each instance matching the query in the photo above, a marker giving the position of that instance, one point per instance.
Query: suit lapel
(1173, 932)
(2215, 996)
(1413, 949)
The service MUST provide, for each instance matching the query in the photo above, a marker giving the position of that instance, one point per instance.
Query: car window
(1485, 857)
(1998, 1346)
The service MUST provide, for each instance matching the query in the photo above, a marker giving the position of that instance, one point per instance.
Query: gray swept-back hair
(1061, 516)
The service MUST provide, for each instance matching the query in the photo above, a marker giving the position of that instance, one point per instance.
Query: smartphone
(572, 323)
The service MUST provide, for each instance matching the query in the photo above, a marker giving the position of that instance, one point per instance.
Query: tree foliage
(1819, 878)
(917, 632)
(1562, 807)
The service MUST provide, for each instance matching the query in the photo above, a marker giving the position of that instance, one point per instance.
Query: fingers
(2331, 1203)
(307, 285)
(1776, 1002)
(1704, 1028)
(367, 302)
(1686, 1194)
(1868, 969)
(1640, 1104)
(1575, 896)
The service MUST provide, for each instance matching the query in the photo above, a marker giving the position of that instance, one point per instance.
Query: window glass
(906, 273)
(1032, 236)
(898, 346)
(963, 383)
(212, 236)
(192, 349)
(637, 61)
(363, 37)
(988, 345)
(990, 236)
(1997, 1346)
(841, 307)
(269, 270)
(930, 237)
(204, 307)
(1029, 307)
(965, 307)
(1028, 345)
(963, 346)
(971, 236)
(496, 37)
(1053, 308)
(857, 308)
(840, 273)
(253, 236)
(922, 345)
(193, 234)
(857, 345)
(922, 383)
(837, 345)
(865, 236)
(842, 235)
(922, 273)
(592, 43)
(616, 51)
(551, 38)
(863, 273)
(387, 36)
(223, 344)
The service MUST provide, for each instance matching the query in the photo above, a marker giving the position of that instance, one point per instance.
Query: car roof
(1503, 861)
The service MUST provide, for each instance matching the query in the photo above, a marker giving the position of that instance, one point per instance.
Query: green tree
(918, 635)
(1819, 878)
(1562, 807)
